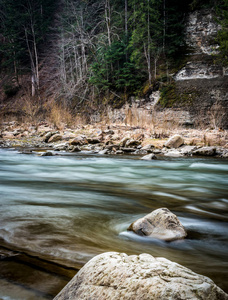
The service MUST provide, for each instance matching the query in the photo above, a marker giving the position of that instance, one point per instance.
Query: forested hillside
(86, 53)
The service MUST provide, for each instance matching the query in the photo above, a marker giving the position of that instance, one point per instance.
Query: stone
(188, 150)
(47, 136)
(124, 149)
(112, 146)
(94, 140)
(141, 152)
(224, 154)
(105, 151)
(149, 157)
(119, 152)
(123, 141)
(148, 148)
(75, 149)
(161, 224)
(205, 151)
(48, 153)
(174, 153)
(108, 131)
(174, 141)
(61, 147)
(131, 143)
(157, 151)
(117, 276)
(55, 138)
(79, 141)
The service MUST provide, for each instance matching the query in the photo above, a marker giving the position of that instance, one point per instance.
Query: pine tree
(222, 37)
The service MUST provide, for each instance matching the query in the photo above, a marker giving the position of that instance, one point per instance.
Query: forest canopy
(99, 47)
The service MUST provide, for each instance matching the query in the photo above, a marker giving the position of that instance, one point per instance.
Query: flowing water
(58, 212)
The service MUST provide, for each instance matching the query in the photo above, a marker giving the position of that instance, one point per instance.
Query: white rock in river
(117, 276)
(149, 157)
(161, 224)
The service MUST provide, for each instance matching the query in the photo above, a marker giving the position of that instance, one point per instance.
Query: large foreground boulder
(160, 223)
(117, 276)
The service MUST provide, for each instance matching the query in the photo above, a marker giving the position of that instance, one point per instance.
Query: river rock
(149, 148)
(75, 149)
(79, 141)
(112, 147)
(149, 157)
(117, 276)
(174, 141)
(60, 147)
(55, 138)
(119, 152)
(174, 153)
(127, 150)
(131, 143)
(94, 140)
(205, 151)
(188, 150)
(48, 135)
(47, 153)
(108, 131)
(161, 224)
(123, 141)
(104, 151)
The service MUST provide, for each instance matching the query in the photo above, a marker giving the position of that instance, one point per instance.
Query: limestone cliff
(203, 81)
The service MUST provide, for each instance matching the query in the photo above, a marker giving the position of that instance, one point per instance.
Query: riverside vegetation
(87, 56)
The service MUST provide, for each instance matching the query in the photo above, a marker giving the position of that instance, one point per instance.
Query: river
(58, 212)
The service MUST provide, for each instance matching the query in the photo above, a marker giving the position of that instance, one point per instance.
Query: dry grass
(58, 115)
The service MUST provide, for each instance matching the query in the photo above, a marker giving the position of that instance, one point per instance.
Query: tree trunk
(108, 20)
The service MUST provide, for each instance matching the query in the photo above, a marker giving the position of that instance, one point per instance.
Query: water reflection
(66, 209)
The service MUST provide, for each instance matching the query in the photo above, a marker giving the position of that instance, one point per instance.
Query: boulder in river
(174, 141)
(161, 224)
(174, 153)
(115, 276)
(47, 153)
(149, 157)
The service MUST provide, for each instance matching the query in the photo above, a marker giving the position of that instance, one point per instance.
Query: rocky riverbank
(116, 140)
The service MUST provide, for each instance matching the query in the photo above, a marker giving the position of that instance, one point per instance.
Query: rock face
(161, 224)
(174, 141)
(199, 70)
(200, 31)
(117, 276)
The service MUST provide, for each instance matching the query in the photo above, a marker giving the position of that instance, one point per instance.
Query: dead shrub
(58, 115)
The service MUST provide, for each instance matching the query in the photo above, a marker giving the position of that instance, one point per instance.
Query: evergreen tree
(222, 37)
(146, 36)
